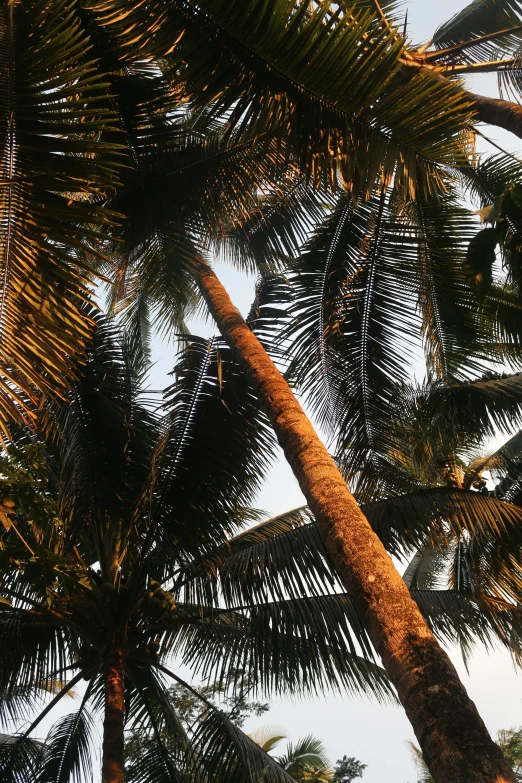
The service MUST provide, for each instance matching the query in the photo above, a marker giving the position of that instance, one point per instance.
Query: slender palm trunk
(453, 737)
(114, 719)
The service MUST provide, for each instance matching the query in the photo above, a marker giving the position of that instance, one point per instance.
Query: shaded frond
(57, 167)
(213, 427)
(299, 73)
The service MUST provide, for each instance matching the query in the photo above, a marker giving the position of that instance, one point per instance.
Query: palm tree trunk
(451, 733)
(113, 768)
(491, 111)
(494, 111)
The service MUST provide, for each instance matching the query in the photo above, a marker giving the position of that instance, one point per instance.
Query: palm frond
(427, 511)
(67, 753)
(299, 73)
(481, 407)
(104, 464)
(298, 646)
(19, 759)
(308, 750)
(425, 569)
(154, 763)
(358, 289)
(283, 557)
(231, 755)
(57, 168)
(490, 177)
(213, 427)
(35, 647)
(479, 19)
(462, 618)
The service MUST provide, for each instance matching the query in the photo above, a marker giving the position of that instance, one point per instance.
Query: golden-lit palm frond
(56, 170)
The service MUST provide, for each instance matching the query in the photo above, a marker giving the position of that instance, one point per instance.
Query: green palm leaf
(56, 170)
(482, 18)
(211, 394)
(67, 754)
(358, 288)
(300, 73)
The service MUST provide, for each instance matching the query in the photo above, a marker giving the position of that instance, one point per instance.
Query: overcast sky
(362, 728)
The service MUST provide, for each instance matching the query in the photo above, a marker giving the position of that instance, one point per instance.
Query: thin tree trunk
(113, 768)
(454, 740)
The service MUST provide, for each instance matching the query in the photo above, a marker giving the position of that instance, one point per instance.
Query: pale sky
(356, 726)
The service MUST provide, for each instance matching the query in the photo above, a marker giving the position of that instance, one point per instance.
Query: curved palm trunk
(494, 111)
(113, 770)
(452, 735)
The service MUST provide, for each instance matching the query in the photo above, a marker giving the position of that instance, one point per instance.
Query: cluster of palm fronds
(313, 145)
(136, 137)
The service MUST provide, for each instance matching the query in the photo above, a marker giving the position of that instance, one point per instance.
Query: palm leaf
(482, 18)
(19, 759)
(300, 645)
(299, 72)
(213, 427)
(460, 618)
(358, 287)
(35, 647)
(481, 407)
(104, 465)
(154, 764)
(308, 752)
(67, 754)
(429, 510)
(56, 170)
(230, 754)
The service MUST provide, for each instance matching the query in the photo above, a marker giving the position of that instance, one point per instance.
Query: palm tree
(119, 552)
(115, 556)
(307, 761)
(369, 127)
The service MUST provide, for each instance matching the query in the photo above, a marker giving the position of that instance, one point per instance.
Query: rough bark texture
(113, 768)
(454, 740)
(503, 114)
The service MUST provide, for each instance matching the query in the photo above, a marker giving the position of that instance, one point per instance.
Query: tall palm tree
(388, 118)
(119, 552)
(116, 555)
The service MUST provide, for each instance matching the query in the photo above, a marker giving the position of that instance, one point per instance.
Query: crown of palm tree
(119, 523)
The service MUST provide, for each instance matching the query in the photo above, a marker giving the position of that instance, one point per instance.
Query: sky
(373, 733)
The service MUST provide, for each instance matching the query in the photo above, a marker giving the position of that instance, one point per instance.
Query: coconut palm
(398, 123)
(116, 557)
(306, 761)
(119, 552)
